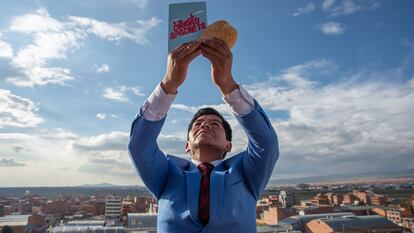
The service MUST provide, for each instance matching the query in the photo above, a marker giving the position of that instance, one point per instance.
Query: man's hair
(210, 111)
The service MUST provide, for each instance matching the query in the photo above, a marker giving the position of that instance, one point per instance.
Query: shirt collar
(215, 163)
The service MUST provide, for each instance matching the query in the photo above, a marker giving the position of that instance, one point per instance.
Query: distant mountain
(101, 185)
(340, 177)
(85, 190)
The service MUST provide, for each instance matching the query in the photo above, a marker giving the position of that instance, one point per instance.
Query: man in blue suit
(208, 193)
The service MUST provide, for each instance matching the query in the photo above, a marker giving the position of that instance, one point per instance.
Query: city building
(337, 199)
(142, 204)
(408, 224)
(86, 229)
(37, 223)
(55, 208)
(378, 199)
(113, 207)
(379, 211)
(2, 210)
(362, 196)
(349, 199)
(274, 229)
(93, 207)
(82, 223)
(320, 199)
(354, 224)
(271, 215)
(17, 222)
(310, 209)
(142, 222)
(298, 222)
(395, 213)
(357, 210)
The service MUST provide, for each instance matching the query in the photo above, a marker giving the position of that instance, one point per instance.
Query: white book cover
(186, 23)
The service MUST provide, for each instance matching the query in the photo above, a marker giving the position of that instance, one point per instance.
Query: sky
(336, 79)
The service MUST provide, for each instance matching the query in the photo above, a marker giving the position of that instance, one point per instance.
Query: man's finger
(188, 49)
(213, 52)
(191, 56)
(180, 47)
(214, 59)
(221, 43)
(216, 46)
(192, 47)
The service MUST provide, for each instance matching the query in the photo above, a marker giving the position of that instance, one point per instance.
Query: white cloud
(102, 116)
(222, 108)
(10, 163)
(99, 158)
(411, 82)
(38, 22)
(14, 136)
(51, 40)
(117, 32)
(54, 39)
(347, 124)
(346, 7)
(184, 107)
(140, 3)
(309, 8)
(104, 68)
(112, 141)
(327, 4)
(120, 93)
(6, 50)
(332, 28)
(17, 111)
(115, 94)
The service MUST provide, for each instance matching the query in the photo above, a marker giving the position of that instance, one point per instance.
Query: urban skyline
(335, 77)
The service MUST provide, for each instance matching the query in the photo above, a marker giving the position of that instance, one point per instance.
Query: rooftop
(360, 222)
(89, 229)
(14, 220)
(309, 217)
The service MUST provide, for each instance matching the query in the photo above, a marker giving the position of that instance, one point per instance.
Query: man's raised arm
(263, 148)
(148, 159)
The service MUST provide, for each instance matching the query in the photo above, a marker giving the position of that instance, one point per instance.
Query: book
(186, 23)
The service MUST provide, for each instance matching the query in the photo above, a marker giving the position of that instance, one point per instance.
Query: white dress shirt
(157, 105)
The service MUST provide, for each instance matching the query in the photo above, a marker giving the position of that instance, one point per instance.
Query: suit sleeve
(262, 150)
(149, 160)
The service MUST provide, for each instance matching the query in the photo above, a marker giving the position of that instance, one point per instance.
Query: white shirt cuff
(240, 101)
(157, 105)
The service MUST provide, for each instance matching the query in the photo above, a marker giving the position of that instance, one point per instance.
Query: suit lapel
(193, 176)
(216, 191)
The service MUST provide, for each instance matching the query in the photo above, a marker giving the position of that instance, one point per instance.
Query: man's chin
(206, 144)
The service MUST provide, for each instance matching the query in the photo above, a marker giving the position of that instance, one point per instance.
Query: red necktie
(204, 201)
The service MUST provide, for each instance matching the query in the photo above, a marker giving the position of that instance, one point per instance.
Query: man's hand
(177, 66)
(221, 59)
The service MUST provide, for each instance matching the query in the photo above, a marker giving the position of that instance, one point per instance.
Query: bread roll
(222, 30)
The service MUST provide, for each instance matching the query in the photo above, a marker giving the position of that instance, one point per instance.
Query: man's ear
(187, 147)
(228, 147)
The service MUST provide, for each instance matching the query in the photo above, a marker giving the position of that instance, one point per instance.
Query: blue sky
(335, 77)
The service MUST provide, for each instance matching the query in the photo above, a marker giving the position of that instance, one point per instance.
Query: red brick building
(356, 224)
(378, 199)
(395, 213)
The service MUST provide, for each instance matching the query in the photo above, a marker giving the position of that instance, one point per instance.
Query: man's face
(208, 132)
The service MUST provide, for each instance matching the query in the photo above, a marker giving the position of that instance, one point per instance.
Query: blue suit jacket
(235, 184)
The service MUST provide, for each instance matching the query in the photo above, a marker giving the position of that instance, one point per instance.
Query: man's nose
(205, 124)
